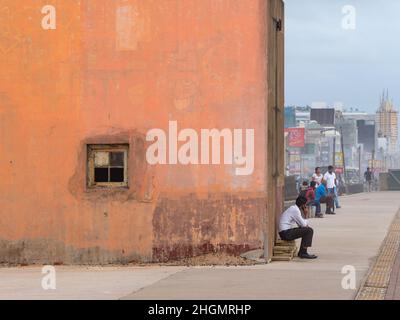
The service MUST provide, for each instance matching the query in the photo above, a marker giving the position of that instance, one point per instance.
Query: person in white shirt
(317, 176)
(331, 184)
(286, 231)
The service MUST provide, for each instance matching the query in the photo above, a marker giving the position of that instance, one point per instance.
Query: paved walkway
(352, 237)
(98, 283)
(393, 291)
(382, 278)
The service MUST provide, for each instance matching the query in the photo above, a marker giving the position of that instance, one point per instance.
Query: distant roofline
(357, 113)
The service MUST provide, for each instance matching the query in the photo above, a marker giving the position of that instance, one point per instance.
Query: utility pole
(344, 161)
(373, 160)
(334, 151)
(359, 162)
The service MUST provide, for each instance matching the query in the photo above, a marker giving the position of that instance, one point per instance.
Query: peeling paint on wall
(191, 225)
(132, 27)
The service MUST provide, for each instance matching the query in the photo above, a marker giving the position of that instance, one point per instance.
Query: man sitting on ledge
(288, 233)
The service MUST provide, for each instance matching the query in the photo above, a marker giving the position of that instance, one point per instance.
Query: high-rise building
(348, 129)
(387, 122)
(366, 134)
(324, 116)
(290, 117)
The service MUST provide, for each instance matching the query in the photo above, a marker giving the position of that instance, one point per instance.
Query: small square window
(107, 165)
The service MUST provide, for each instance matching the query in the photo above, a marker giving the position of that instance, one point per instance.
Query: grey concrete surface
(98, 283)
(352, 237)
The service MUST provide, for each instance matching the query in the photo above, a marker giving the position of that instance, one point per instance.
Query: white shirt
(330, 179)
(290, 217)
(317, 178)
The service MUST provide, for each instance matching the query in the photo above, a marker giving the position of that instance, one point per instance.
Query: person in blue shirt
(322, 196)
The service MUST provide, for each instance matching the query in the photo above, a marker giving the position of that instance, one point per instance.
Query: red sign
(339, 170)
(296, 137)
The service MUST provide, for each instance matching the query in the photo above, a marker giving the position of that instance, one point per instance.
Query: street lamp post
(344, 159)
(334, 150)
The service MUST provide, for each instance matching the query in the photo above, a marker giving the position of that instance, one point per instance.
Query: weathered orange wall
(201, 63)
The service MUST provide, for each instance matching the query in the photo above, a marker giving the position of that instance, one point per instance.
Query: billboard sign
(339, 159)
(323, 116)
(296, 137)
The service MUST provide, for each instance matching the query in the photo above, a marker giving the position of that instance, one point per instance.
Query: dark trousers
(305, 233)
(329, 203)
(334, 194)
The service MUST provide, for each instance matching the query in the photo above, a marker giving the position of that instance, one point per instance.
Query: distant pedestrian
(317, 176)
(331, 184)
(286, 231)
(369, 177)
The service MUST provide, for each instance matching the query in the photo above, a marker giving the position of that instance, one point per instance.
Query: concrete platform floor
(352, 237)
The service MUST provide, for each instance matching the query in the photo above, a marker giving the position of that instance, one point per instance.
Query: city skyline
(325, 62)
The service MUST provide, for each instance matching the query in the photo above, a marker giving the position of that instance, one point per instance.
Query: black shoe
(319, 215)
(307, 256)
(330, 212)
(338, 207)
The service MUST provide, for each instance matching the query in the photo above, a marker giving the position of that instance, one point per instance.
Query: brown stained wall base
(178, 252)
(183, 226)
(191, 226)
(47, 251)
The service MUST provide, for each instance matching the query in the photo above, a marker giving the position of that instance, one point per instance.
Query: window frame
(90, 169)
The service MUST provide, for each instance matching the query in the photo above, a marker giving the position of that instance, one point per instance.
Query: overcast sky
(325, 62)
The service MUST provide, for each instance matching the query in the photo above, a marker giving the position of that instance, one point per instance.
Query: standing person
(286, 231)
(322, 196)
(317, 176)
(331, 183)
(369, 176)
